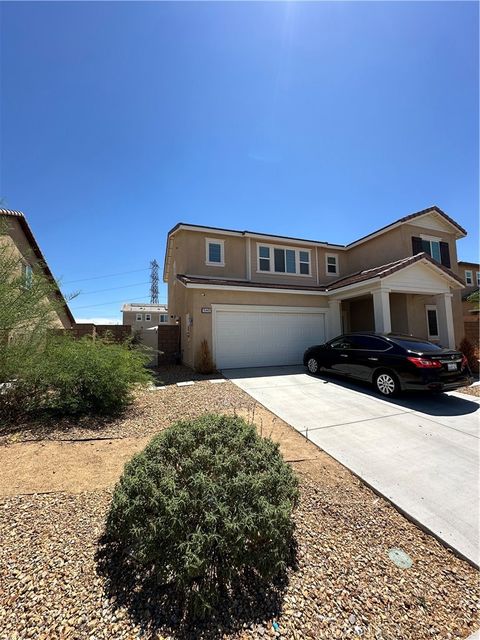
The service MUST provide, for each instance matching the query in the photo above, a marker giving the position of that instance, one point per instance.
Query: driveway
(420, 451)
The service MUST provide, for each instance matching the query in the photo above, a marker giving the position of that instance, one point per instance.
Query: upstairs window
(163, 318)
(273, 259)
(434, 247)
(138, 317)
(469, 278)
(148, 317)
(215, 253)
(331, 264)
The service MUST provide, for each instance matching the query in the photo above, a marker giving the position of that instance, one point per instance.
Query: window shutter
(416, 245)
(445, 254)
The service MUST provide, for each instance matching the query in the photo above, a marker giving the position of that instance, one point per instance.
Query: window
(432, 321)
(27, 275)
(342, 343)
(331, 264)
(432, 247)
(148, 317)
(469, 278)
(370, 343)
(214, 253)
(282, 260)
(163, 318)
(478, 278)
(139, 317)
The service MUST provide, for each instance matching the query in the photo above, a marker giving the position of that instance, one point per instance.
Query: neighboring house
(22, 242)
(470, 272)
(140, 315)
(259, 299)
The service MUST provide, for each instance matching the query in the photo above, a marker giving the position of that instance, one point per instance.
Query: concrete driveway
(420, 451)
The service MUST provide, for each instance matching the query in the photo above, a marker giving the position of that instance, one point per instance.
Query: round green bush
(205, 502)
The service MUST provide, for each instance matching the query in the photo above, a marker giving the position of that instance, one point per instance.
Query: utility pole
(154, 282)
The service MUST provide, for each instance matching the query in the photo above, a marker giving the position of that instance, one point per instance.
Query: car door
(340, 355)
(368, 354)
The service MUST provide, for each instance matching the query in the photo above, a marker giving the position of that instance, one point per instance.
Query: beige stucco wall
(20, 248)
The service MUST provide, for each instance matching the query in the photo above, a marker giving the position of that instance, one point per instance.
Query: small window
(332, 264)
(148, 317)
(27, 275)
(432, 321)
(139, 317)
(215, 253)
(342, 343)
(163, 318)
(264, 258)
(304, 261)
(469, 277)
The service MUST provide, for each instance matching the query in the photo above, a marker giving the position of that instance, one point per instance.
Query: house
(140, 315)
(19, 237)
(470, 272)
(260, 299)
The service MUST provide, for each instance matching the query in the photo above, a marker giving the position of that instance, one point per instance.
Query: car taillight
(423, 363)
(464, 361)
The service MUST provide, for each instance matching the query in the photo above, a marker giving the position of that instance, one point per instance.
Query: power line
(125, 286)
(110, 275)
(104, 304)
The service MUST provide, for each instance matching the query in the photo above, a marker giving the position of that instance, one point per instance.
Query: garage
(257, 336)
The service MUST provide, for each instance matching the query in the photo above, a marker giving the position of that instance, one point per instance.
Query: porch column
(446, 331)
(334, 319)
(381, 310)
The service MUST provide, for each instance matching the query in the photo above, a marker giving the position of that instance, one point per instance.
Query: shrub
(205, 362)
(468, 350)
(206, 501)
(79, 376)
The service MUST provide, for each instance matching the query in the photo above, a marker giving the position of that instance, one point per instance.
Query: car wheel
(386, 384)
(312, 365)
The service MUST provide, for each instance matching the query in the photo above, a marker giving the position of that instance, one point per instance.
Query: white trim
(208, 242)
(337, 270)
(432, 307)
(430, 238)
(469, 277)
(271, 259)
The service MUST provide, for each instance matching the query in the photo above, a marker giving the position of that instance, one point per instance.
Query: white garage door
(265, 336)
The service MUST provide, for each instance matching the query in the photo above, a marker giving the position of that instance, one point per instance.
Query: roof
(221, 230)
(36, 250)
(385, 270)
(145, 306)
(225, 282)
(381, 271)
(465, 263)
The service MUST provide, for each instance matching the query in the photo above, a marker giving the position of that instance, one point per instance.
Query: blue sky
(319, 120)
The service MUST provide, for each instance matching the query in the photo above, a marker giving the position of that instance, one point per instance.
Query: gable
(435, 222)
(421, 277)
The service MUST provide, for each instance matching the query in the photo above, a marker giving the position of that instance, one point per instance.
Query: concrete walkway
(420, 451)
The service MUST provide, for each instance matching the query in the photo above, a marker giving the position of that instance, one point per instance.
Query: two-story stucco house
(144, 315)
(260, 300)
(18, 237)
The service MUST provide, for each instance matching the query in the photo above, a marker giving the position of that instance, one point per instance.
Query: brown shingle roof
(381, 271)
(36, 250)
(225, 282)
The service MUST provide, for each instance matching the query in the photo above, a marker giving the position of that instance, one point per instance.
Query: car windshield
(417, 345)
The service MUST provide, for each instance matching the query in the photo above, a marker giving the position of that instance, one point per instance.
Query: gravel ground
(471, 391)
(345, 585)
(150, 412)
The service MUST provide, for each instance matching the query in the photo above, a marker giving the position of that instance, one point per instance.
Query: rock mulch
(150, 412)
(345, 585)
